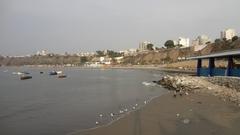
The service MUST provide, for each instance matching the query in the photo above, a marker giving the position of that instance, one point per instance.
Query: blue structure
(231, 69)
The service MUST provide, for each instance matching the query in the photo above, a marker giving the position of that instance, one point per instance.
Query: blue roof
(218, 54)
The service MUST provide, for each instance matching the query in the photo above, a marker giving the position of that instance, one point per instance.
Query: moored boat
(62, 76)
(53, 73)
(25, 77)
(59, 72)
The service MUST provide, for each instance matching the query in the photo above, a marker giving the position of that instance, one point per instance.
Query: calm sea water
(47, 105)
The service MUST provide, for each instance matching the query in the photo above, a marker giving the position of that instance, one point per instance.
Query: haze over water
(48, 105)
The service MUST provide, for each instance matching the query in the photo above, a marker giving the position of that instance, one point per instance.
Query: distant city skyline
(59, 26)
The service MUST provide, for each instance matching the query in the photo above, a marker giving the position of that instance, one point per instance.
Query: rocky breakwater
(190, 84)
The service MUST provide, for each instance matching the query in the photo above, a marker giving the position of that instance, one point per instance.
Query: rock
(209, 88)
(186, 121)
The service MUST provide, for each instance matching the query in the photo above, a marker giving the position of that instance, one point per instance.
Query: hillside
(166, 56)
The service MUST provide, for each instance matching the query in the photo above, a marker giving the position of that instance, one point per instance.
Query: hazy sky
(88, 25)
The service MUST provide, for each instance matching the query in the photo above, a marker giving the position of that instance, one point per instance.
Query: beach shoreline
(132, 67)
(202, 113)
(195, 113)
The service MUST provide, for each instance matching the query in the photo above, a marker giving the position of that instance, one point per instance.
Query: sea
(48, 105)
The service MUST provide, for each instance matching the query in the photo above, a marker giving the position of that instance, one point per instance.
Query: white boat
(59, 72)
(20, 73)
(17, 73)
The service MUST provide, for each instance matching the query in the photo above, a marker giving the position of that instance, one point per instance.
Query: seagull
(100, 115)
(111, 114)
(120, 111)
(126, 110)
(136, 104)
(145, 102)
(134, 108)
(97, 122)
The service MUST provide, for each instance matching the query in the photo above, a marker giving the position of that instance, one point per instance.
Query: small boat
(20, 73)
(53, 73)
(17, 73)
(25, 77)
(26, 73)
(62, 76)
(59, 72)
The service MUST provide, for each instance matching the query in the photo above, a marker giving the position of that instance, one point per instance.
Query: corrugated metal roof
(219, 54)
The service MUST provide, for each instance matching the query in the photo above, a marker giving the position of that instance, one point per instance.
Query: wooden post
(230, 66)
(211, 67)
(199, 66)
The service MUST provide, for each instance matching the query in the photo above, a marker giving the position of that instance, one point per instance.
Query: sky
(59, 26)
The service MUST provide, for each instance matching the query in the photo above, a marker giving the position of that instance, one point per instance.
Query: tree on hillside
(83, 59)
(235, 38)
(169, 44)
(100, 53)
(113, 54)
(217, 41)
(150, 47)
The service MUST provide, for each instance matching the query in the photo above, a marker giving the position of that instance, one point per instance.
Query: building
(119, 59)
(129, 52)
(143, 46)
(86, 54)
(105, 60)
(228, 34)
(185, 42)
(200, 42)
(203, 39)
(42, 53)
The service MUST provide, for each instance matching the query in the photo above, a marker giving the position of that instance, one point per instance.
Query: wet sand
(203, 115)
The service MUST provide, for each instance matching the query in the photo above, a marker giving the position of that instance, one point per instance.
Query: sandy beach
(198, 114)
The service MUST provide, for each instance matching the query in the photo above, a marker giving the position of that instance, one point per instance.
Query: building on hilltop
(200, 42)
(228, 34)
(143, 46)
(129, 52)
(42, 53)
(185, 42)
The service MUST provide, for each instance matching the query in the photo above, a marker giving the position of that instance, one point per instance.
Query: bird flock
(113, 115)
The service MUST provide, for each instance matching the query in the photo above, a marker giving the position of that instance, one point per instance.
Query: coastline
(165, 115)
(200, 111)
(135, 67)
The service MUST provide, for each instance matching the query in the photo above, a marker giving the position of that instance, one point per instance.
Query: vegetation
(83, 59)
(100, 53)
(113, 54)
(169, 44)
(217, 41)
(150, 47)
(235, 38)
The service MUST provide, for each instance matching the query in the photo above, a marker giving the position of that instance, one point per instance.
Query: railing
(219, 72)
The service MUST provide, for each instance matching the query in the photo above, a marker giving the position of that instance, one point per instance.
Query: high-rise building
(143, 46)
(201, 40)
(228, 34)
(185, 42)
(42, 53)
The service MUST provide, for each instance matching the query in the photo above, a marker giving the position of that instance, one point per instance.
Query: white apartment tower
(143, 46)
(228, 34)
(185, 42)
